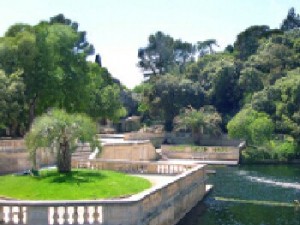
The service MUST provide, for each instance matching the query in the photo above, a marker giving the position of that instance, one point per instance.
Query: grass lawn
(79, 184)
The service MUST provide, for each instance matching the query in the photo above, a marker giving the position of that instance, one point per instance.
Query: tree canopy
(252, 84)
(46, 66)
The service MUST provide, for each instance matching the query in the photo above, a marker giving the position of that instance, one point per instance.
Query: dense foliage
(253, 84)
(206, 120)
(45, 66)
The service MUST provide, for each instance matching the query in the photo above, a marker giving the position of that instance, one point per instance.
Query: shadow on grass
(75, 177)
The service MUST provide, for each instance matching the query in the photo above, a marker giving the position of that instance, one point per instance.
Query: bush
(285, 150)
(280, 151)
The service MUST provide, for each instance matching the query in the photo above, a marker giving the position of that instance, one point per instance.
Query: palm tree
(206, 47)
(60, 132)
(206, 120)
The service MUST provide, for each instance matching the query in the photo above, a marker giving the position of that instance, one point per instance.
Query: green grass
(79, 184)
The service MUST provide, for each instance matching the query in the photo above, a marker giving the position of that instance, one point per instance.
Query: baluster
(55, 215)
(85, 215)
(1, 214)
(10, 215)
(96, 215)
(171, 169)
(75, 216)
(66, 215)
(21, 214)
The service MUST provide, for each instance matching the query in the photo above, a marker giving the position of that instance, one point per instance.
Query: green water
(250, 195)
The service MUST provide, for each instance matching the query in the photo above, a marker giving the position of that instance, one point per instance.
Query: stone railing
(162, 204)
(133, 166)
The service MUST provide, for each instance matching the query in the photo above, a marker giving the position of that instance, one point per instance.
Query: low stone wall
(200, 152)
(15, 158)
(139, 151)
(11, 144)
(156, 139)
(178, 138)
(161, 205)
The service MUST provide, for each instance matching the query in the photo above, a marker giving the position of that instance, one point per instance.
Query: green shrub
(285, 150)
(278, 150)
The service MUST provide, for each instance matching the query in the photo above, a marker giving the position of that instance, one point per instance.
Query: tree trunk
(64, 158)
(196, 134)
(32, 105)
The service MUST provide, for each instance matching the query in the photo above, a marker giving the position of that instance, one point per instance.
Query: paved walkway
(157, 179)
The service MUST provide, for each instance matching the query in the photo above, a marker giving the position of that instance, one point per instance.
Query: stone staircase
(82, 152)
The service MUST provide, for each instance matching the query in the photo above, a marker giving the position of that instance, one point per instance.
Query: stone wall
(200, 152)
(139, 151)
(163, 204)
(15, 158)
(178, 138)
(156, 139)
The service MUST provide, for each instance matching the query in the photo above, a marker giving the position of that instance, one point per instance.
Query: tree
(12, 103)
(169, 94)
(206, 47)
(247, 41)
(292, 20)
(60, 131)
(52, 56)
(183, 53)
(255, 127)
(157, 56)
(163, 53)
(281, 102)
(104, 96)
(250, 81)
(225, 94)
(206, 120)
(82, 45)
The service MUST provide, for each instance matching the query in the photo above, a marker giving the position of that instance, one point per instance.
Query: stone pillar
(37, 215)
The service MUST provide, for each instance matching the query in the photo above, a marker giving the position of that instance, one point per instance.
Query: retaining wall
(139, 151)
(177, 138)
(207, 153)
(15, 158)
(164, 204)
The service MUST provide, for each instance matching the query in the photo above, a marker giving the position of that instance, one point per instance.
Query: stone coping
(116, 142)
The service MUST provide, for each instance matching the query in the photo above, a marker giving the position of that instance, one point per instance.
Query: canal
(250, 195)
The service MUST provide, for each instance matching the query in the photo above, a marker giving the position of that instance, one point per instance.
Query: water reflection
(250, 195)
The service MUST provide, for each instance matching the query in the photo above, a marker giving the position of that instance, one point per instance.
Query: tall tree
(163, 53)
(157, 56)
(206, 47)
(12, 103)
(52, 56)
(292, 20)
(247, 41)
(169, 94)
(104, 95)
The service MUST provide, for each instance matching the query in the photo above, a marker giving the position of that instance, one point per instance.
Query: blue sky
(117, 28)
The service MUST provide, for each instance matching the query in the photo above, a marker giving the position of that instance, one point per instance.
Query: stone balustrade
(133, 166)
(163, 204)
